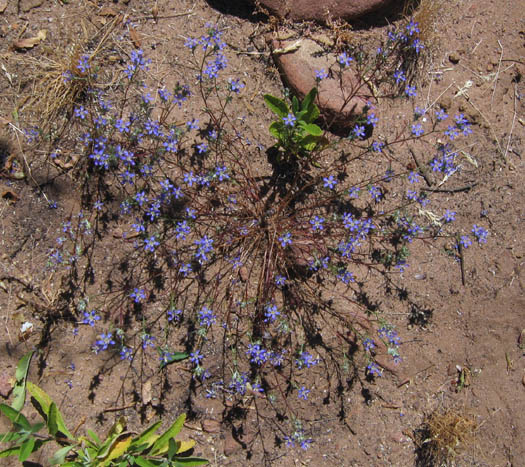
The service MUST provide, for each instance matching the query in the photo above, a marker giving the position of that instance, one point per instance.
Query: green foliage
(304, 136)
(120, 448)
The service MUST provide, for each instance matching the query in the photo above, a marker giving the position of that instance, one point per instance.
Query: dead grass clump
(443, 436)
(57, 83)
(426, 13)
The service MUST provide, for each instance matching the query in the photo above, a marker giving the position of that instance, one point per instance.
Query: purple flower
(344, 59)
(317, 223)
(410, 91)
(449, 216)
(359, 131)
(417, 129)
(90, 318)
(480, 233)
(321, 74)
(374, 370)
(303, 393)
(196, 357)
(330, 182)
(290, 120)
(286, 239)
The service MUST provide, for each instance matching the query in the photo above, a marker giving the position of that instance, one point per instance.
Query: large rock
(340, 102)
(321, 10)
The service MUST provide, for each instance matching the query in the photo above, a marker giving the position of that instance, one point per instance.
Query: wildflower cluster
(209, 248)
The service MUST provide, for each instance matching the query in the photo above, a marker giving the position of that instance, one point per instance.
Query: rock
(26, 5)
(298, 72)
(321, 11)
(231, 445)
(454, 58)
(211, 426)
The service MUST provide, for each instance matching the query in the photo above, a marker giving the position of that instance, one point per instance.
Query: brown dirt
(477, 68)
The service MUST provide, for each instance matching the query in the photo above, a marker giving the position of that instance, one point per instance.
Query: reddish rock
(321, 10)
(339, 105)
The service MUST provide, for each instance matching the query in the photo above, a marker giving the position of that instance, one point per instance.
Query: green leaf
(10, 452)
(148, 436)
(310, 142)
(52, 419)
(119, 446)
(140, 461)
(295, 105)
(173, 448)
(312, 129)
(16, 417)
(277, 129)
(175, 357)
(93, 436)
(190, 461)
(19, 390)
(10, 437)
(44, 403)
(308, 101)
(276, 105)
(312, 114)
(162, 443)
(60, 455)
(26, 449)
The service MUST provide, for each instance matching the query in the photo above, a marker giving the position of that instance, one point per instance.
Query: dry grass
(426, 13)
(444, 435)
(51, 96)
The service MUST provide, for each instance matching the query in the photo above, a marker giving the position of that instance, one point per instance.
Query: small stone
(211, 426)
(454, 58)
(231, 445)
(26, 5)
(322, 11)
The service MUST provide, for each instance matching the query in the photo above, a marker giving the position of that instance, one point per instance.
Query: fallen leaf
(211, 426)
(146, 392)
(107, 11)
(135, 37)
(3, 5)
(7, 193)
(30, 42)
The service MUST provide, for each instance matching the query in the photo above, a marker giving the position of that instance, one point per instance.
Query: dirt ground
(461, 349)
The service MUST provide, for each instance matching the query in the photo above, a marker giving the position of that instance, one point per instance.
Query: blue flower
(174, 315)
(480, 233)
(206, 317)
(317, 223)
(344, 59)
(374, 370)
(465, 241)
(138, 295)
(126, 353)
(441, 115)
(330, 182)
(303, 393)
(280, 280)
(449, 216)
(147, 341)
(369, 344)
(286, 239)
(290, 120)
(90, 318)
(196, 357)
(235, 85)
(103, 342)
(399, 76)
(271, 313)
(410, 91)
(417, 129)
(320, 74)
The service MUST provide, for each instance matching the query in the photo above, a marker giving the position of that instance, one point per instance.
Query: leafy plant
(120, 448)
(296, 132)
